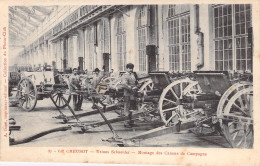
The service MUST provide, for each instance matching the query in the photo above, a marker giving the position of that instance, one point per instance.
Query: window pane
(225, 10)
(220, 32)
(216, 32)
(225, 31)
(243, 42)
(221, 65)
(223, 27)
(237, 8)
(229, 30)
(249, 65)
(230, 65)
(238, 65)
(220, 11)
(225, 20)
(248, 7)
(243, 65)
(225, 65)
(229, 9)
(216, 65)
(238, 54)
(237, 18)
(229, 20)
(242, 17)
(241, 7)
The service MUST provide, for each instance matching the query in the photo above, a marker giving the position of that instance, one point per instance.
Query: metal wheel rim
(27, 97)
(175, 110)
(235, 131)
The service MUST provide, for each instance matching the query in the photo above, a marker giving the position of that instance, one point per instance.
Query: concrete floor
(41, 119)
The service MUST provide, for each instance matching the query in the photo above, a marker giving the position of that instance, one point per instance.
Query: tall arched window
(179, 37)
(104, 36)
(89, 61)
(141, 34)
(121, 43)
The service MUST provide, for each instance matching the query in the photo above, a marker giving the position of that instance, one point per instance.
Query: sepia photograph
(119, 76)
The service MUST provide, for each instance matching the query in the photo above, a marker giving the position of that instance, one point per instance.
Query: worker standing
(75, 85)
(129, 83)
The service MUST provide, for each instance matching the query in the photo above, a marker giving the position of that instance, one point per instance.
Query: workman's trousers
(77, 102)
(129, 105)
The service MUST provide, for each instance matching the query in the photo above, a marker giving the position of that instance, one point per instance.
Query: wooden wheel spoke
(22, 101)
(235, 135)
(247, 105)
(29, 102)
(57, 99)
(22, 85)
(244, 138)
(62, 102)
(54, 95)
(251, 106)
(169, 101)
(173, 115)
(30, 97)
(240, 109)
(175, 95)
(241, 103)
(26, 105)
(31, 92)
(181, 90)
(20, 91)
(231, 123)
(170, 109)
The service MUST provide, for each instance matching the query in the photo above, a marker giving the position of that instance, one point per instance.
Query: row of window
(232, 51)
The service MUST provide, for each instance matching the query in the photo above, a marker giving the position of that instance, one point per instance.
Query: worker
(97, 76)
(112, 74)
(75, 86)
(129, 82)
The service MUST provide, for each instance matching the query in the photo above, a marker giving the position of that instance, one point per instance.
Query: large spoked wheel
(59, 93)
(230, 92)
(57, 97)
(109, 80)
(170, 107)
(27, 94)
(112, 83)
(237, 119)
(147, 86)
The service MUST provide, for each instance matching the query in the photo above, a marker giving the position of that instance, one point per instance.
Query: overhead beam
(14, 45)
(21, 15)
(25, 9)
(34, 24)
(20, 27)
(17, 25)
(43, 10)
(31, 14)
(18, 20)
(23, 33)
(13, 29)
(13, 32)
(35, 21)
